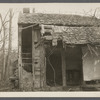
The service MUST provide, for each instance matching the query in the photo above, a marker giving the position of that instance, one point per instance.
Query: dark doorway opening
(53, 67)
(27, 49)
(73, 65)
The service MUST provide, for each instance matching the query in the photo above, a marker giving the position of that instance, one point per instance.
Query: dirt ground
(8, 86)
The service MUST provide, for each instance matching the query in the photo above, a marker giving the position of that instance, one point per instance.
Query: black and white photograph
(50, 47)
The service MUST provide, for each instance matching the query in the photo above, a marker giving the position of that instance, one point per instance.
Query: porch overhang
(70, 35)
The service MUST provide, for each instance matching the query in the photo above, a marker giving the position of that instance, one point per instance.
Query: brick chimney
(26, 10)
(33, 10)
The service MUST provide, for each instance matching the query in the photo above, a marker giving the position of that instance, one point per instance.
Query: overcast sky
(75, 8)
(86, 9)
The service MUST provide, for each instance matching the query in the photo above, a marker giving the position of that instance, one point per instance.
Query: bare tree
(6, 60)
(3, 40)
(10, 43)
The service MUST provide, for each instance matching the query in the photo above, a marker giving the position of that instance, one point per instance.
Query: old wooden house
(54, 49)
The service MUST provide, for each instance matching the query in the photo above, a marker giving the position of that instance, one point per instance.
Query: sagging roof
(71, 35)
(71, 29)
(57, 19)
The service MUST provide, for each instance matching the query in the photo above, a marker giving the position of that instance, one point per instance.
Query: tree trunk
(9, 45)
(3, 48)
(4, 58)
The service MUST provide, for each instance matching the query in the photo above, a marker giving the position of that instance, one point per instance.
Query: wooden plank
(84, 63)
(19, 55)
(82, 77)
(44, 73)
(27, 58)
(82, 74)
(33, 54)
(63, 67)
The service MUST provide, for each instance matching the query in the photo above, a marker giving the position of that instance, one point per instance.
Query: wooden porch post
(63, 67)
(82, 76)
(20, 55)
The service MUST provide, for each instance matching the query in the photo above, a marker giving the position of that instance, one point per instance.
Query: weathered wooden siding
(25, 78)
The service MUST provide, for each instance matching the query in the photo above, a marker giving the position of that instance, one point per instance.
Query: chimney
(33, 10)
(26, 10)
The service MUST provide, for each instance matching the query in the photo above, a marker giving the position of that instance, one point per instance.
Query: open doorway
(73, 65)
(27, 49)
(53, 66)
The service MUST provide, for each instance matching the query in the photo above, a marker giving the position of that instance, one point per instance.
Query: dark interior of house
(27, 49)
(53, 69)
(73, 65)
(53, 66)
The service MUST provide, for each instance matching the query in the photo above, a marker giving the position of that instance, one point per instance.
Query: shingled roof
(57, 19)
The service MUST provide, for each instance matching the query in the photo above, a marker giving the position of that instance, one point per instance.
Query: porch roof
(71, 35)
